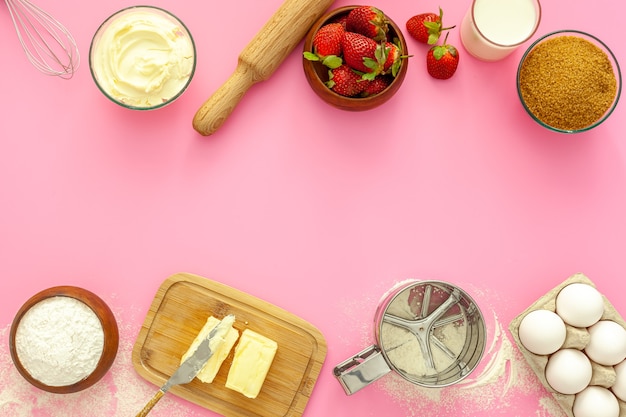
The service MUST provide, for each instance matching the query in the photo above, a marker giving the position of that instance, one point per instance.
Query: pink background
(314, 209)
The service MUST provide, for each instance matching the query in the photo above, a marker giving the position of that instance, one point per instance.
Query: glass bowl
(317, 74)
(142, 57)
(50, 323)
(576, 89)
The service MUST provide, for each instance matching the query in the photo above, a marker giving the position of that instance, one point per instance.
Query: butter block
(221, 349)
(253, 357)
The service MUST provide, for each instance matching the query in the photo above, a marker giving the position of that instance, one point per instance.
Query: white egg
(595, 401)
(607, 343)
(568, 371)
(619, 387)
(579, 305)
(542, 332)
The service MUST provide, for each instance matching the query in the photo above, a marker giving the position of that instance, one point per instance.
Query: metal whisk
(49, 46)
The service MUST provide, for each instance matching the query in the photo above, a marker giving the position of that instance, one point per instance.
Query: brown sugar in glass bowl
(53, 308)
(569, 81)
(317, 74)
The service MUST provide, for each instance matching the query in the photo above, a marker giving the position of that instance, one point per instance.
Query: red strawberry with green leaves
(327, 45)
(344, 81)
(368, 21)
(369, 57)
(442, 60)
(375, 86)
(388, 59)
(358, 50)
(393, 59)
(426, 27)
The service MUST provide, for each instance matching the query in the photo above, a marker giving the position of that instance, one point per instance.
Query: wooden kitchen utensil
(179, 310)
(259, 59)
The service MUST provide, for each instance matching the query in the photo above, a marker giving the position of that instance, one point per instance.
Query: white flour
(405, 352)
(59, 341)
(500, 358)
(403, 348)
(120, 393)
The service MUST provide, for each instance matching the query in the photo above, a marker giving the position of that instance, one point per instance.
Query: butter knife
(188, 370)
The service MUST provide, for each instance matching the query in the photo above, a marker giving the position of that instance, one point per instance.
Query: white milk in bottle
(492, 29)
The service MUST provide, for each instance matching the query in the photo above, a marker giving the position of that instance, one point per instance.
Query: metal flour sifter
(430, 332)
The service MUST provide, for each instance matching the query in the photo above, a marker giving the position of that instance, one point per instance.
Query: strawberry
(345, 81)
(426, 27)
(393, 60)
(388, 60)
(327, 45)
(357, 50)
(368, 21)
(327, 40)
(370, 58)
(442, 60)
(375, 86)
(342, 19)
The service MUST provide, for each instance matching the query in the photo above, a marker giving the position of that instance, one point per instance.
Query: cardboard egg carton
(576, 338)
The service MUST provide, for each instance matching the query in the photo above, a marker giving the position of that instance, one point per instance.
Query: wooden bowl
(317, 74)
(109, 327)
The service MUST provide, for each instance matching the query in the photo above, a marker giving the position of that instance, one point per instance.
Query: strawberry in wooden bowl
(355, 58)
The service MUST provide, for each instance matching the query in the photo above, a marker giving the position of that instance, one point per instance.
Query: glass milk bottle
(492, 29)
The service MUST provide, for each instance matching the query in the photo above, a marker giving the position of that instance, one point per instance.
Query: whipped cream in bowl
(142, 57)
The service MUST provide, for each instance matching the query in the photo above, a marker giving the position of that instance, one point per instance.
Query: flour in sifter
(59, 341)
(403, 348)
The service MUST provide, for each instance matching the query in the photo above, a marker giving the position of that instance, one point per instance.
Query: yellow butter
(221, 349)
(253, 357)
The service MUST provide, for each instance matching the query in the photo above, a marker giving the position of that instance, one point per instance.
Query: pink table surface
(316, 210)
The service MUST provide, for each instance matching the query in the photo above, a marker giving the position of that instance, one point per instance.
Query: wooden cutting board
(179, 310)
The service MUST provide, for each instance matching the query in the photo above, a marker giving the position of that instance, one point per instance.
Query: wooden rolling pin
(260, 58)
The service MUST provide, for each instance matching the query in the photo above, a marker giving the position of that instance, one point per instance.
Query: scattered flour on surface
(500, 363)
(121, 393)
(503, 384)
(549, 408)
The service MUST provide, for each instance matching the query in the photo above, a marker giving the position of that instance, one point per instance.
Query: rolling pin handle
(214, 112)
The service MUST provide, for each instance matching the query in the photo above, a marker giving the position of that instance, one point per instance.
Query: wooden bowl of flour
(64, 339)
